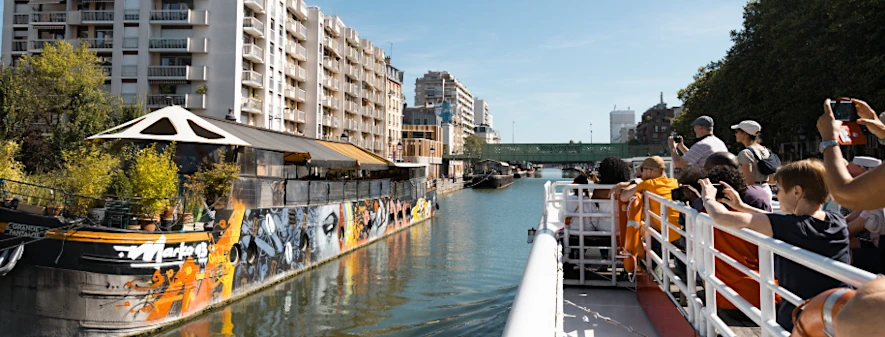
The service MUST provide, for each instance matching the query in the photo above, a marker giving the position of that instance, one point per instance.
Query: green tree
(473, 144)
(788, 57)
(50, 102)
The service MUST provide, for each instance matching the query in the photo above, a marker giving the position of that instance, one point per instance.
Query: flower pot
(148, 224)
(187, 218)
(168, 214)
(133, 226)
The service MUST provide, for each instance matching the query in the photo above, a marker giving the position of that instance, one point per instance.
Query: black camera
(677, 139)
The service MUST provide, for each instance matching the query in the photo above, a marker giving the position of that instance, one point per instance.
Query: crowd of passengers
(832, 207)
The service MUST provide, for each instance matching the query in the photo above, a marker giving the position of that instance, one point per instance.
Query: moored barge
(296, 203)
(491, 174)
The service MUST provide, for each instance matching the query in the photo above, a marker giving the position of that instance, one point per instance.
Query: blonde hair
(809, 174)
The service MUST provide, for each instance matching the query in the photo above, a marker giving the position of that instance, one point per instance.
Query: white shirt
(699, 152)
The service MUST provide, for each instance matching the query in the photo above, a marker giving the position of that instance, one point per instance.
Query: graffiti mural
(252, 247)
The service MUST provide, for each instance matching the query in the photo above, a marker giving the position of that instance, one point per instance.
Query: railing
(97, 15)
(699, 257)
(254, 51)
(167, 71)
(20, 45)
(299, 116)
(170, 15)
(257, 5)
(332, 44)
(21, 19)
(159, 101)
(252, 104)
(253, 76)
(254, 23)
(313, 192)
(130, 15)
(100, 43)
(49, 17)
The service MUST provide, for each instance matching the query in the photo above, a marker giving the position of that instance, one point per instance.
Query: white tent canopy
(173, 124)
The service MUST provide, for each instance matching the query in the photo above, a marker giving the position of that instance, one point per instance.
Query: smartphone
(844, 110)
(720, 191)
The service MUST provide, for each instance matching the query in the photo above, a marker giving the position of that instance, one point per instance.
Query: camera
(844, 110)
(677, 139)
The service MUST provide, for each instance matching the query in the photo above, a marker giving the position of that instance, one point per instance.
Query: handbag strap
(797, 325)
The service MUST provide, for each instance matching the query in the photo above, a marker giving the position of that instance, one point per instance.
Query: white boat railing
(537, 308)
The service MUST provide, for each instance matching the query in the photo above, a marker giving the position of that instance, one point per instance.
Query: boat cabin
(489, 166)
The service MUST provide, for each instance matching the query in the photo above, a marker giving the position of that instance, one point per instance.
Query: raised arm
(863, 192)
(758, 222)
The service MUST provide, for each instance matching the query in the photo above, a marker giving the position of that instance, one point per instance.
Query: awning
(171, 124)
(365, 159)
(295, 148)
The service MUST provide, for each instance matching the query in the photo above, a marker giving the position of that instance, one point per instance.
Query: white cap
(750, 127)
(867, 162)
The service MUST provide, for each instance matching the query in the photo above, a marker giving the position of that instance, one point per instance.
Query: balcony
(19, 46)
(289, 115)
(332, 45)
(131, 15)
(253, 27)
(299, 116)
(253, 53)
(326, 101)
(54, 18)
(180, 17)
(327, 120)
(332, 25)
(353, 55)
(91, 17)
(300, 95)
(379, 54)
(331, 64)
(351, 36)
(331, 83)
(102, 44)
(187, 101)
(379, 68)
(37, 45)
(368, 64)
(21, 19)
(253, 105)
(352, 89)
(297, 29)
(253, 79)
(335, 122)
(182, 45)
(298, 8)
(350, 106)
(370, 82)
(301, 53)
(290, 92)
(367, 47)
(352, 72)
(255, 5)
(129, 71)
(180, 73)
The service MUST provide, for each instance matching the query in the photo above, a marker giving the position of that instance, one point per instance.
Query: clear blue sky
(553, 67)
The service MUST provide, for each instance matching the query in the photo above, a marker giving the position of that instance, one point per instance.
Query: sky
(552, 67)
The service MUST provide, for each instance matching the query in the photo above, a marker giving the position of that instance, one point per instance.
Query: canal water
(455, 275)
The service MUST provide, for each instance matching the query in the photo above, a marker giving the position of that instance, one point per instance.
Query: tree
(570, 141)
(789, 56)
(52, 101)
(473, 144)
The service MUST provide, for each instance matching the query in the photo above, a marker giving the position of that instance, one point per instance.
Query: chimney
(230, 115)
(387, 59)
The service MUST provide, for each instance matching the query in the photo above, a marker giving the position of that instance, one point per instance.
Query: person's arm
(856, 226)
(853, 215)
(863, 192)
(681, 147)
(749, 176)
(678, 162)
(626, 190)
(758, 222)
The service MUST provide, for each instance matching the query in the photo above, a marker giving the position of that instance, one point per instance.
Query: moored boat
(297, 202)
(491, 174)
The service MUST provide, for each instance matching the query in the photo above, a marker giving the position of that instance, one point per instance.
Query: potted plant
(217, 179)
(201, 90)
(154, 177)
(87, 172)
(193, 199)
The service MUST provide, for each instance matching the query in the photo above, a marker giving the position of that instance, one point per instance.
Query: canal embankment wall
(444, 186)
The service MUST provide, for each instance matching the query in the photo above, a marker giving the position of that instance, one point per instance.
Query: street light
(399, 148)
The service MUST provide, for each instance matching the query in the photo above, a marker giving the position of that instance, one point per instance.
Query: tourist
(747, 133)
(803, 190)
(612, 171)
(720, 159)
(706, 145)
(863, 192)
(655, 181)
(745, 253)
(865, 226)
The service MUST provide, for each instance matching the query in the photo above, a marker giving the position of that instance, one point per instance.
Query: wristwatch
(827, 144)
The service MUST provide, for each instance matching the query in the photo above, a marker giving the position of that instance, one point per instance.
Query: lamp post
(591, 133)
(399, 149)
(432, 149)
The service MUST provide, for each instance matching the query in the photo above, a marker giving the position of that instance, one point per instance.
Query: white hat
(867, 162)
(750, 127)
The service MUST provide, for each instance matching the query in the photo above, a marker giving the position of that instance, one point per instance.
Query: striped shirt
(699, 152)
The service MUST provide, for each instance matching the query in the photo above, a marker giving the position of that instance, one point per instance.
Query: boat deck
(618, 304)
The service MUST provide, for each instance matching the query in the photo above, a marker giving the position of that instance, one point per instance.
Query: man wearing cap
(706, 145)
(653, 180)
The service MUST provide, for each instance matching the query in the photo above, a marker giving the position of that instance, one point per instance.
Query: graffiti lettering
(31, 231)
(157, 251)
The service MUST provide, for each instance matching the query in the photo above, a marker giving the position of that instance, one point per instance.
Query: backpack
(767, 166)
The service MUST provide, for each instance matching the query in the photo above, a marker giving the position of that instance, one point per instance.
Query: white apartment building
(620, 119)
(394, 106)
(436, 87)
(487, 134)
(275, 64)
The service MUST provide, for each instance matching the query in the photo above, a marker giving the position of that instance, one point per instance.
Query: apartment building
(481, 113)
(276, 64)
(618, 121)
(395, 104)
(438, 87)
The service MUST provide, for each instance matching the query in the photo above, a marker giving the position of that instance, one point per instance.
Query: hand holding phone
(844, 109)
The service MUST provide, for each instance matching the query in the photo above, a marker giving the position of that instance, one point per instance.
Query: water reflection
(454, 275)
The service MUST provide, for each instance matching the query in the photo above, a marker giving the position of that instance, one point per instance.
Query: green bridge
(559, 153)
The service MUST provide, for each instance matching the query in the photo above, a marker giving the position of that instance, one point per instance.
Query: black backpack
(767, 166)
